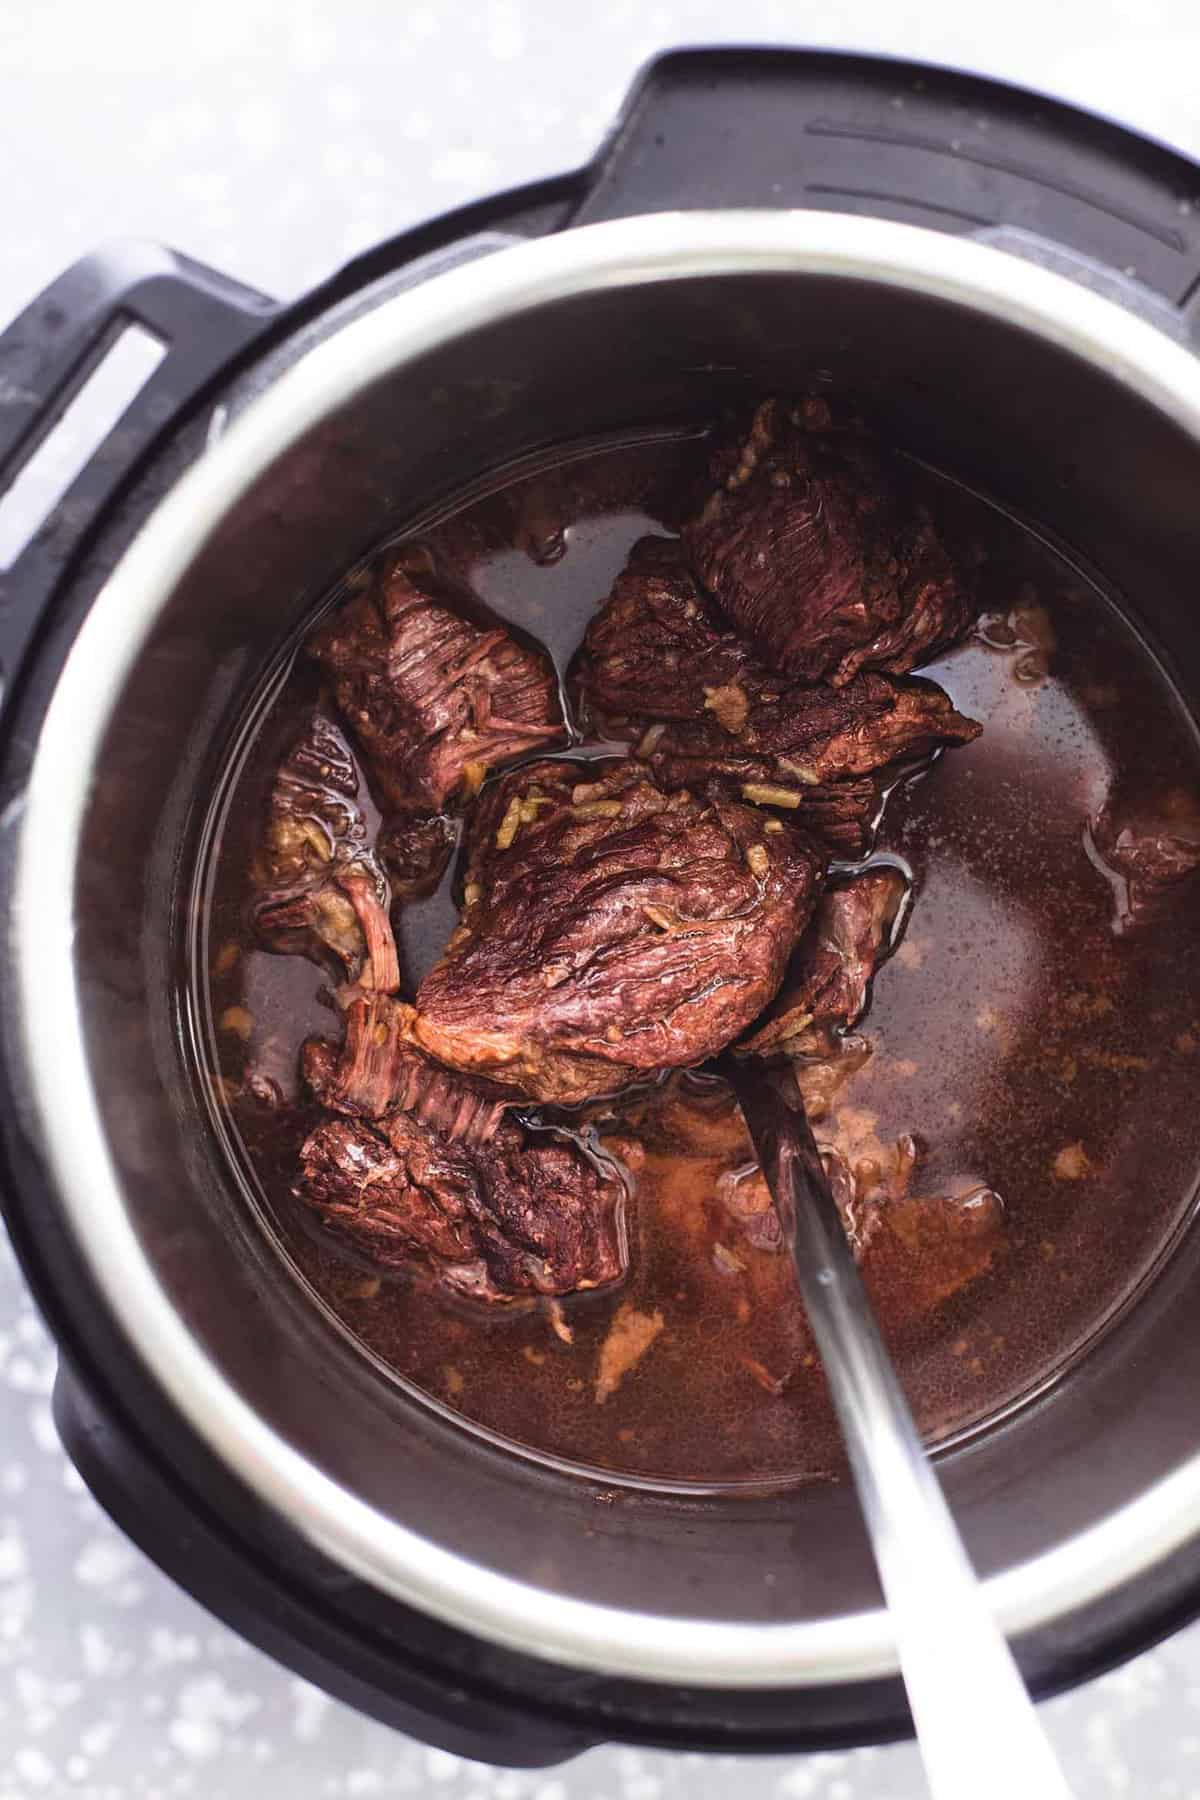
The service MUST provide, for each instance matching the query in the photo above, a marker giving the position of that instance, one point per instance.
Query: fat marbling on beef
(811, 544)
(318, 888)
(611, 929)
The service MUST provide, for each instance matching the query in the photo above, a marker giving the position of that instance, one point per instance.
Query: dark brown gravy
(1025, 1044)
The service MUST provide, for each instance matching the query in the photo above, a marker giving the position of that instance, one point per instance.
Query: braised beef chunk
(611, 929)
(840, 817)
(394, 1201)
(523, 1214)
(433, 700)
(1145, 858)
(827, 985)
(657, 649)
(785, 737)
(423, 1168)
(415, 849)
(377, 1069)
(810, 545)
(658, 670)
(655, 653)
(318, 889)
(560, 1215)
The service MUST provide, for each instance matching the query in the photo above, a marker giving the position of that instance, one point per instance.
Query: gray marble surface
(274, 140)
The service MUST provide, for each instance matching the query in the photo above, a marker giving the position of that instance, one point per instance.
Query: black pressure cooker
(1016, 283)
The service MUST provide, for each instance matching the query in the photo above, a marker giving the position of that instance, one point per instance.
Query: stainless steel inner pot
(1054, 400)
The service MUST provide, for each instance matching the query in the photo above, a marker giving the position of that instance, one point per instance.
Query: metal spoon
(978, 1731)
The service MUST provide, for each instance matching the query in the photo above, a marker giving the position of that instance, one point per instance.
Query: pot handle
(196, 319)
(953, 152)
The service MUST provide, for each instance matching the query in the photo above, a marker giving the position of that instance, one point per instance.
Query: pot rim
(383, 1552)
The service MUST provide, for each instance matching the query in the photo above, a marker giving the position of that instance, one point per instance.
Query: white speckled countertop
(273, 140)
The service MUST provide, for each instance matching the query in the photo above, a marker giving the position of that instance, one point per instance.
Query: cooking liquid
(1025, 1045)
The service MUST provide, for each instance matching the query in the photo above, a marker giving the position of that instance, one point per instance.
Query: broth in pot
(622, 761)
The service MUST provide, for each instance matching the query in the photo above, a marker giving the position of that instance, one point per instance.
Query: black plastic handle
(202, 320)
(905, 141)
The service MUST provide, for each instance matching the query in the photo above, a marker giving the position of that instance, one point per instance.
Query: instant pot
(1015, 285)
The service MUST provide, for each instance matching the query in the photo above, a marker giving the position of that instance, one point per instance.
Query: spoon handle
(977, 1727)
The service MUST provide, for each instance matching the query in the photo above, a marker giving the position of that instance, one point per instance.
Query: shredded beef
(611, 929)
(433, 700)
(810, 545)
(319, 891)
(377, 1070)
